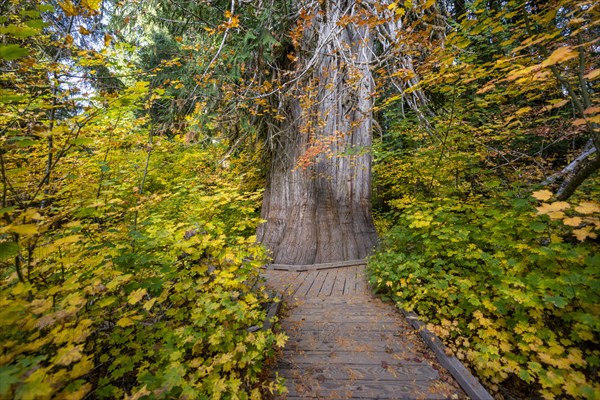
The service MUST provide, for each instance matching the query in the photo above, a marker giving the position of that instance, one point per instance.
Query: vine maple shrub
(511, 308)
(128, 261)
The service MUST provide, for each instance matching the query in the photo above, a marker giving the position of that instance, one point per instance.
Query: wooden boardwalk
(346, 344)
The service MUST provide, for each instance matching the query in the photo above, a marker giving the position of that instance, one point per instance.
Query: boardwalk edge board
(314, 267)
(463, 376)
(276, 301)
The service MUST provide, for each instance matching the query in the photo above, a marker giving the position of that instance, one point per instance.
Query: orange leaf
(593, 74)
(588, 207)
(574, 221)
(557, 206)
(584, 233)
(542, 195)
(560, 55)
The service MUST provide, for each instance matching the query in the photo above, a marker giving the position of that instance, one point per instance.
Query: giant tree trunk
(317, 204)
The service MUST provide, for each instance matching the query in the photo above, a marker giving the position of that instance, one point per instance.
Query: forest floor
(344, 343)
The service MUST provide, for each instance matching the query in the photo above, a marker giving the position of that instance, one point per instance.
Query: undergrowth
(509, 289)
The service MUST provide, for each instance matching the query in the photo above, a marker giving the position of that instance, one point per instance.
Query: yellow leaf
(542, 195)
(556, 215)
(82, 367)
(136, 295)
(68, 355)
(125, 322)
(68, 8)
(68, 240)
(91, 5)
(593, 74)
(560, 55)
(148, 305)
(584, 233)
(139, 394)
(25, 229)
(555, 104)
(588, 207)
(83, 30)
(523, 110)
(40, 306)
(280, 340)
(117, 281)
(574, 221)
(78, 394)
(557, 206)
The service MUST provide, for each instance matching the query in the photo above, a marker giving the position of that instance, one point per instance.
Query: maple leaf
(560, 55)
(125, 322)
(551, 208)
(574, 221)
(136, 295)
(68, 355)
(588, 207)
(584, 233)
(542, 195)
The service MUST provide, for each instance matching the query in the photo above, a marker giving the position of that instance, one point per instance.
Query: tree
(318, 196)
(299, 76)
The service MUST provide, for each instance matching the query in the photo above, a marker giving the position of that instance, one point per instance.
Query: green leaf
(30, 13)
(12, 52)
(22, 141)
(7, 210)
(9, 375)
(19, 31)
(539, 227)
(36, 23)
(8, 250)
(46, 8)
(558, 301)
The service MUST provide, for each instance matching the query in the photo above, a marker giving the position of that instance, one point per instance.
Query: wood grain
(346, 344)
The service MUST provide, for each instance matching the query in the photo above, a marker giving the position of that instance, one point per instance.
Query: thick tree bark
(317, 204)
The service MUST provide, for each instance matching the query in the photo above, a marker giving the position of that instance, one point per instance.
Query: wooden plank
(348, 328)
(323, 389)
(323, 343)
(354, 357)
(400, 373)
(338, 285)
(344, 343)
(339, 317)
(361, 281)
(307, 283)
(350, 286)
(319, 280)
(273, 311)
(283, 281)
(328, 281)
(296, 283)
(312, 267)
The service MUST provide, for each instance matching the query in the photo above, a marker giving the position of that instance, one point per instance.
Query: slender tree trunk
(317, 204)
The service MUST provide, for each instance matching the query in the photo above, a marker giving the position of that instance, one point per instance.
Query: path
(346, 344)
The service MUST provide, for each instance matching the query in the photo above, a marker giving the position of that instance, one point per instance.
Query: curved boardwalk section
(346, 344)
